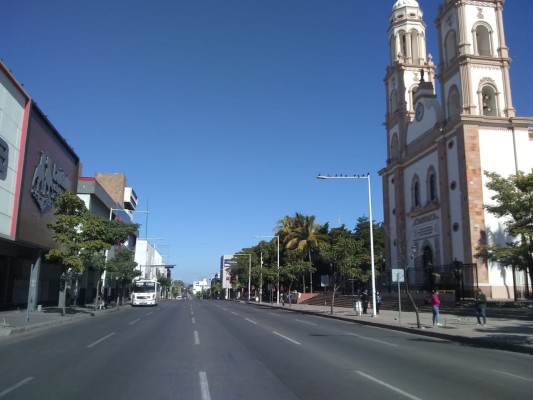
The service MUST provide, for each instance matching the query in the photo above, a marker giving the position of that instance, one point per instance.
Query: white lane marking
(249, 320)
(285, 337)
(150, 313)
(305, 322)
(395, 389)
(16, 386)
(133, 322)
(193, 321)
(274, 314)
(374, 340)
(204, 386)
(224, 308)
(196, 338)
(234, 313)
(100, 340)
(513, 375)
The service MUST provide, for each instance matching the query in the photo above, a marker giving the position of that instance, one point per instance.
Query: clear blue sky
(222, 112)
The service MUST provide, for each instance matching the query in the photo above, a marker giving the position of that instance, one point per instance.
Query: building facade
(37, 164)
(438, 147)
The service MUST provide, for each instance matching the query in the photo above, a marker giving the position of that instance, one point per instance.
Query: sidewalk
(511, 334)
(18, 321)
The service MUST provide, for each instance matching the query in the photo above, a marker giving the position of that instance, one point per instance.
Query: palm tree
(303, 234)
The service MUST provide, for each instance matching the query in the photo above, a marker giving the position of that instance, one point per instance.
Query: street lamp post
(367, 177)
(277, 237)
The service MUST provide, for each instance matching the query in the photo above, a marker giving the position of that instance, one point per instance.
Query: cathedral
(441, 140)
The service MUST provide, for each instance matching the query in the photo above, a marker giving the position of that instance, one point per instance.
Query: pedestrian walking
(378, 301)
(364, 300)
(481, 307)
(435, 304)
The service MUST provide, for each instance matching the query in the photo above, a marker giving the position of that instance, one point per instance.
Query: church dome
(405, 3)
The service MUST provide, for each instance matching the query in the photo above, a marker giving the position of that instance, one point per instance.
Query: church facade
(439, 146)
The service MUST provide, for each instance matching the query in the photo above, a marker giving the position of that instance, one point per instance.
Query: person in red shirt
(435, 303)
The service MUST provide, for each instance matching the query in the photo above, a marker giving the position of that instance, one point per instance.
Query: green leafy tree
(292, 269)
(302, 233)
(123, 268)
(78, 235)
(178, 288)
(165, 282)
(346, 253)
(114, 233)
(82, 238)
(513, 202)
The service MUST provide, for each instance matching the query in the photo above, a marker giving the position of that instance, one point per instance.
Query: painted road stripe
(249, 320)
(133, 322)
(305, 322)
(16, 386)
(395, 389)
(193, 321)
(374, 340)
(285, 337)
(514, 376)
(196, 338)
(100, 340)
(204, 386)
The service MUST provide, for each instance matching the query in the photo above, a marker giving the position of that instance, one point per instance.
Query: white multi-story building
(149, 260)
(199, 286)
(434, 185)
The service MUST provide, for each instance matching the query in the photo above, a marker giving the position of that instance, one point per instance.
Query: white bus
(145, 292)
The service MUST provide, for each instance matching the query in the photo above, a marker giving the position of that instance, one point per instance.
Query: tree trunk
(335, 287)
(62, 300)
(303, 282)
(97, 295)
(411, 298)
(310, 273)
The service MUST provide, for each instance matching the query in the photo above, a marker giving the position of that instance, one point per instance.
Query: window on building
(454, 103)
(416, 192)
(482, 36)
(394, 148)
(432, 186)
(415, 47)
(394, 102)
(403, 43)
(412, 94)
(450, 47)
(489, 101)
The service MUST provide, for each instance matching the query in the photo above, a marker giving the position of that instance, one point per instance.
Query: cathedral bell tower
(474, 67)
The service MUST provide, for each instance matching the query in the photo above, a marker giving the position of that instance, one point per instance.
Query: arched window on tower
(394, 102)
(489, 101)
(454, 103)
(412, 94)
(415, 189)
(482, 42)
(415, 47)
(403, 44)
(392, 47)
(432, 186)
(450, 47)
(394, 148)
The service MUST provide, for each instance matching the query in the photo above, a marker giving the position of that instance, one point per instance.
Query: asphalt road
(224, 350)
